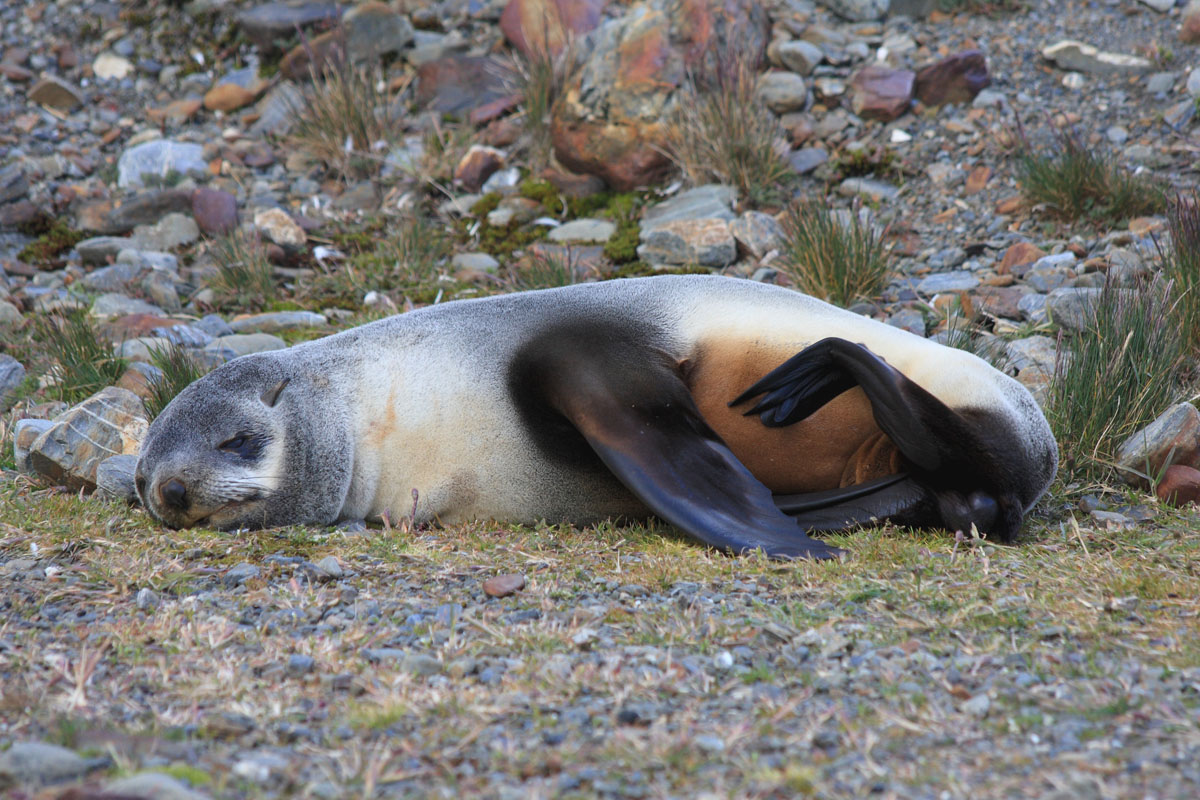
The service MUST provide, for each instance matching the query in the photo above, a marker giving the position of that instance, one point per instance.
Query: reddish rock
(314, 55)
(461, 84)
(477, 166)
(879, 92)
(1180, 485)
(228, 97)
(545, 26)
(1000, 301)
(954, 79)
(978, 179)
(618, 127)
(215, 211)
(1018, 255)
(573, 184)
(1175, 436)
(1189, 27)
(15, 72)
(497, 108)
(21, 214)
(501, 132)
(504, 585)
(180, 111)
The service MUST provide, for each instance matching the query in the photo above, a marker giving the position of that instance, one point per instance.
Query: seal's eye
(241, 445)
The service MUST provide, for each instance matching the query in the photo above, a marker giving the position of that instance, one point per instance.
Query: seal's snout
(173, 494)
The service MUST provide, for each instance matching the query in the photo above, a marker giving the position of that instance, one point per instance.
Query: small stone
(504, 585)
(1175, 435)
(546, 26)
(806, 159)
(111, 422)
(1189, 28)
(36, 763)
(228, 97)
(712, 201)
(115, 478)
(1073, 308)
(955, 79)
(268, 23)
(276, 321)
(978, 705)
(300, 664)
(25, 433)
(1161, 6)
(12, 375)
(157, 159)
(1160, 82)
(277, 110)
(873, 190)
(146, 599)
(956, 281)
(783, 91)
(114, 304)
(705, 242)
(1018, 255)
(800, 56)
(55, 92)
(330, 567)
(110, 66)
(478, 262)
(280, 228)
(882, 93)
(241, 344)
(1082, 57)
(477, 165)
(373, 29)
(152, 785)
(1180, 485)
(583, 230)
(240, 573)
(709, 743)
(420, 664)
(215, 211)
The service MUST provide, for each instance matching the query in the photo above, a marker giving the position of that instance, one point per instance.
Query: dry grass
(244, 275)
(540, 78)
(838, 257)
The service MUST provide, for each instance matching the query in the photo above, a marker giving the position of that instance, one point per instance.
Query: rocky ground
(146, 146)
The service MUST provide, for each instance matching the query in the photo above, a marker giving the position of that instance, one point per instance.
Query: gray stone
(868, 188)
(502, 181)
(13, 183)
(278, 226)
(806, 159)
(583, 230)
(36, 763)
(712, 201)
(908, 319)
(141, 349)
(330, 567)
(57, 93)
(978, 705)
(119, 305)
(115, 278)
(146, 600)
(300, 664)
(115, 478)
(162, 289)
(241, 344)
(9, 314)
(756, 232)
(278, 321)
(1073, 308)
(12, 375)
(956, 281)
(800, 56)
(25, 433)
(158, 158)
(173, 230)
(111, 422)
(1033, 354)
(706, 242)
(481, 262)
(1148, 156)
(240, 573)
(1046, 279)
(265, 24)
(277, 110)
(1082, 57)
(1161, 82)
(153, 786)
(917, 9)
(373, 30)
(1033, 308)
(857, 10)
(1161, 6)
(99, 249)
(783, 91)
(1173, 438)
(146, 208)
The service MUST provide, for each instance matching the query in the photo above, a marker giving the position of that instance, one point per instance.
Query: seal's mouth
(224, 517)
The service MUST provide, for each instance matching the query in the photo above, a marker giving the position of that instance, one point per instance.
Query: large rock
(1175, 435)
(541, 27)
(613, 119)
(879, 92)
(110, 422)
(158, 158)
(269, 24)
(30, 764)
(712, 201)
(704, 242)
(460, 84)
(145, 208)
(954, 79)
(373, 30)
(1082, 57)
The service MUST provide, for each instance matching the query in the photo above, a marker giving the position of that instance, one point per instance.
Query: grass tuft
(838, 257)
(544, 270)
(343, 121)
(84, 362)
(1122, 372)
(244, 273)
(540, 78)
(1075, 183)
(407, 258)
(722, 131)
(180, 369)
(1181, 264)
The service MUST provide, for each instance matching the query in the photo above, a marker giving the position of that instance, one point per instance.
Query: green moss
(486, 204)
(621, 247)
(47, 247)
(186, 772)
(545, 193)
(502, 240)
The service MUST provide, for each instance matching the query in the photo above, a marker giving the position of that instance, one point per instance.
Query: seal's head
(250, 445)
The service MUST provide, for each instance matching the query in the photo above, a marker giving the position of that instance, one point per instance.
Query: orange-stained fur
(839, 445)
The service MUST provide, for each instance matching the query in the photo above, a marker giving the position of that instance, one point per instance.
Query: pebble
(12, 375)
(115, 478)
(276, 321)
(504, 585)
(157, 159)
(712, 201)
(583, 230)
(956, 281)
(874, 190)
(147, 599)
(242, 344)
(240, 573)
(481, 262)
(783, 91)
(154, 785)
(706, 242)
(36, 763)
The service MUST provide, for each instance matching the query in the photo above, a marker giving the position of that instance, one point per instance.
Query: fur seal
(746, 415)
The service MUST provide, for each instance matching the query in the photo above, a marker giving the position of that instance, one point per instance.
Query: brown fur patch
(839, 445)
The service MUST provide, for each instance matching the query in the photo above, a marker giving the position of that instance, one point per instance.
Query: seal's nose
(174, 494)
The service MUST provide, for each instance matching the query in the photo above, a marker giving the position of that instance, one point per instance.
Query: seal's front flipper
(897, 498)
(638, 417)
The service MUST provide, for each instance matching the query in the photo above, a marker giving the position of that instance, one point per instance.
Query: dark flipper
(639, 418)
(897, 498)
(953, 461)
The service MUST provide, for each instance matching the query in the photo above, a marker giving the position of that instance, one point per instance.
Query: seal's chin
(234, 515)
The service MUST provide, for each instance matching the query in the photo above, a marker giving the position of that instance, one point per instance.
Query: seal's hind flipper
(635, 412)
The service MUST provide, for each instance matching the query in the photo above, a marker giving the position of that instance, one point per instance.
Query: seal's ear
(272, 394)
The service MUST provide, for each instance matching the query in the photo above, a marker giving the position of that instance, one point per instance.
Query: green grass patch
(179, 370)
(838, 257)
(244, 274)
(44, 251)
(83, 361)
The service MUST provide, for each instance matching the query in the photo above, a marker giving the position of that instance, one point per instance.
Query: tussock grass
(84, 361)
(1074, 182)
(540, 78)
(343, 119)
(722, 131)
(405, 256)
(1121, 372)
(837, 257)
(179, 368)
(544, 270)
(244, 273)
(1181, 264)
